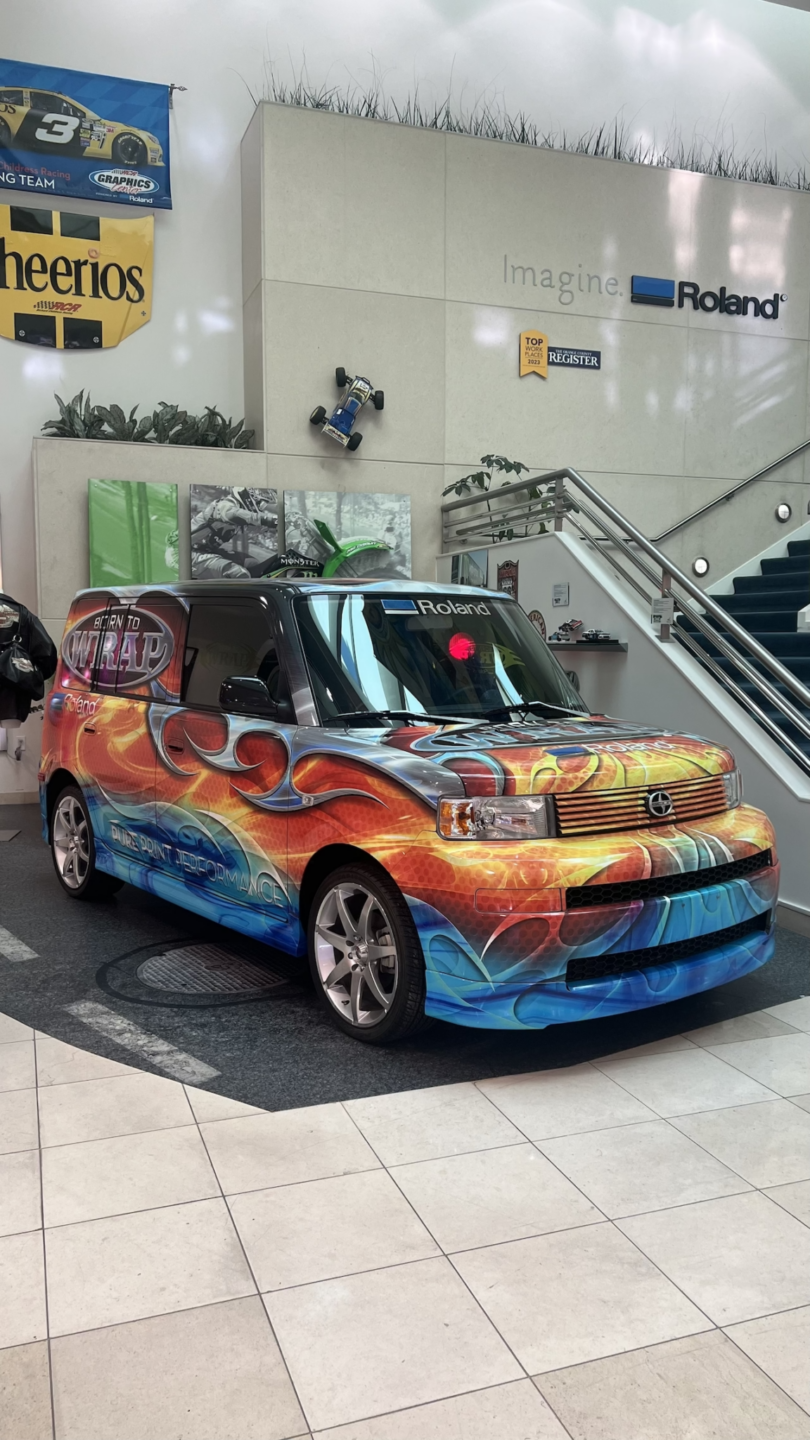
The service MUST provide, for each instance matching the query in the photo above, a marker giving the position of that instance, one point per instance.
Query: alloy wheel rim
(356, 955)
(71, 842)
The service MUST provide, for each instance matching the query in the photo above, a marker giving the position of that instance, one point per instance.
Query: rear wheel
(379, 399)
(318, 415)
(365, 956)
(340, 377)
(74, 850)
(354, 441)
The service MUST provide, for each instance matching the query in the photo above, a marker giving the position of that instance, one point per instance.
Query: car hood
(560, 755)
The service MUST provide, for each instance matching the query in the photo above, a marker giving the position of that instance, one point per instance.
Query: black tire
(129, 150)
(340, 377)
(354, 441)
(5, 135)
(73, 849)
(379, 399)
(318, 415)
(398, 973)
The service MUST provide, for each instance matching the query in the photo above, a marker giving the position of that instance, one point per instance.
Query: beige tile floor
(617, 1251)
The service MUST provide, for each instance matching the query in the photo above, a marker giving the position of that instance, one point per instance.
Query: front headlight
(509, 817)
(733, 786)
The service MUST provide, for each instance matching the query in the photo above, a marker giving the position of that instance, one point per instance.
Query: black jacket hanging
(27, 659)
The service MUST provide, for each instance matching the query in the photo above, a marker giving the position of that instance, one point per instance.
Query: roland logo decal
(453, 607)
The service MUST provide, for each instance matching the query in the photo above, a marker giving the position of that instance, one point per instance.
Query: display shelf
(608, 647)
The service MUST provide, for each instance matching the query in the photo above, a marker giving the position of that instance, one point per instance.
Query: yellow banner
(534, 353)
(73, 282)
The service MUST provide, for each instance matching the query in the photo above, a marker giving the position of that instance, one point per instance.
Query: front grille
(625, 891)
(589, 812)
(602, 967)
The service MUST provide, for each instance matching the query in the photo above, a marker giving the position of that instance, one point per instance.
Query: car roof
(231, 589)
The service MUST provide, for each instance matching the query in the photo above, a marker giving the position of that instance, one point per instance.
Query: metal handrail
(666, 575)
(735, 490)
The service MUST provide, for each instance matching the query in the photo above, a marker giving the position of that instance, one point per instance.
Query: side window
(229, 638)
(11, 97)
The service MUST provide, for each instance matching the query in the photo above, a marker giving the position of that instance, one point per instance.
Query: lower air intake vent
(601, 967)
(623, 892)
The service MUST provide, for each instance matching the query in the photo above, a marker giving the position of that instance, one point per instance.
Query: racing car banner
(65, 132)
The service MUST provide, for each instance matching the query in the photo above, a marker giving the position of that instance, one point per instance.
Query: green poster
(133, 532)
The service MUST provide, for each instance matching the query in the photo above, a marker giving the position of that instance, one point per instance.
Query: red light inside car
(461, 647)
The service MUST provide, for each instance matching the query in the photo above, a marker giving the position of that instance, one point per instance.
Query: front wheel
(74, 850)
(354, 441)
(318, 415)
(365, 956)
(128, 150)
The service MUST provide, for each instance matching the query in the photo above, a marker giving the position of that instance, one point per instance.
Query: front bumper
(510, 1006)
(542, 963)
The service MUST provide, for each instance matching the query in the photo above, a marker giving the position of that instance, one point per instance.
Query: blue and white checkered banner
(65, 132)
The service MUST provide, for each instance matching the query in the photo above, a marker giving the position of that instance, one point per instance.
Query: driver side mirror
(248, 695)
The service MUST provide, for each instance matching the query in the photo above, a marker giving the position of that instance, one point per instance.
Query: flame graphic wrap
(222, 815)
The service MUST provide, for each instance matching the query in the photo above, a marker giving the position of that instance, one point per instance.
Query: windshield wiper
(504, 711)
(415, 717)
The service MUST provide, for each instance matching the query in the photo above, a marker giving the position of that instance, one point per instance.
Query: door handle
(89, 729)
(178, 749)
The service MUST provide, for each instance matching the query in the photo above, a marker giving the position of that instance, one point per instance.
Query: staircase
(767, 606)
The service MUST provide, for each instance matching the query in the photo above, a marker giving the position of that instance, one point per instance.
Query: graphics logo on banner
(66, 132)
(73, 282)
(536, 355)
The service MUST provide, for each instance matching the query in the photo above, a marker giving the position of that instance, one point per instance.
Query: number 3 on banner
(59, 128)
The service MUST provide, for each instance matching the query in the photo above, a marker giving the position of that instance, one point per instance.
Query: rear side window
(228, 638)
(130, 647)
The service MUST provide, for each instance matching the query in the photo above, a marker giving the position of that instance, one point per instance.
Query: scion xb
(399, 781)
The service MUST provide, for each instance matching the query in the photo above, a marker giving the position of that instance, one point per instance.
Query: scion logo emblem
(659, 804)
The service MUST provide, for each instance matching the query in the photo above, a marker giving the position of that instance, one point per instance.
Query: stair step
(793, 599)
(798, 547)
(786, 565)
(782, 644)
(798, 665)
(757, 584)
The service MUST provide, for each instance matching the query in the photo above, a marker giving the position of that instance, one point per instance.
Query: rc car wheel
(128, 150)
(318, 415)
(340, 377)
(379, 399)
(365, 955)
(354, 441)
(74, 851)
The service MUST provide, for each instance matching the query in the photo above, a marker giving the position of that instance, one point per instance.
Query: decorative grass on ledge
(488, 121)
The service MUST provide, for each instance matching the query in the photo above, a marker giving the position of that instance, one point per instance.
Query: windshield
(435, 655)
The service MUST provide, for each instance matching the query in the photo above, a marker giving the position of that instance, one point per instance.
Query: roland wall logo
(650, 290)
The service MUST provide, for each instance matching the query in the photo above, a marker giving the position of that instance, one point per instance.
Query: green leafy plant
(167, 425)
(481, 480)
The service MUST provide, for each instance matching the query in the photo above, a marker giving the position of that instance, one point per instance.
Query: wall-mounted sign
(538, 622)
(536, 355)
(66, 132)
(73, 282)
(508, 578)
(650, 290)
(533, 353)
(560, 595)
(580, 359)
